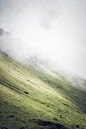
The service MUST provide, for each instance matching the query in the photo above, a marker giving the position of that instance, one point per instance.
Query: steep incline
(35, 96)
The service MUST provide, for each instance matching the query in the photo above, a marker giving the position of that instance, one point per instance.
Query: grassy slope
(50, 97)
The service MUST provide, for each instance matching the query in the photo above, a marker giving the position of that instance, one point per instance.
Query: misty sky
(58, 26)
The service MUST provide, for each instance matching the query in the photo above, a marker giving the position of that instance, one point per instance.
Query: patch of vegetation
(31, 98)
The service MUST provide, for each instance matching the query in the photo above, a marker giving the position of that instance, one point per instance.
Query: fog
(26, 54)
(21, 51)
(56, 26)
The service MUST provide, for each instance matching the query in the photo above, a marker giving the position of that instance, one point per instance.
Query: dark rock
(11, 116)
(25, 92)
(77, 126)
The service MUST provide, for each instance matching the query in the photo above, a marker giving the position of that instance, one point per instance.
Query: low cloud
(12, 46)
(18, 50)
(47, 10)
(44, 10)
(22, 52)
(53, 25)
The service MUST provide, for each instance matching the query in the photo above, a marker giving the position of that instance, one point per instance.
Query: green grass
(51, 101)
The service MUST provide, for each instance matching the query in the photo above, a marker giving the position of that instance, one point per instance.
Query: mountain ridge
(37, 93)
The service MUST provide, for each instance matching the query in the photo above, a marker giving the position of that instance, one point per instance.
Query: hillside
(33, 96)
